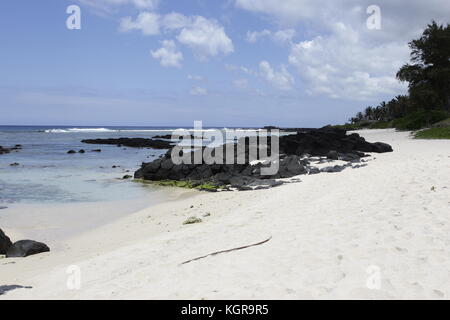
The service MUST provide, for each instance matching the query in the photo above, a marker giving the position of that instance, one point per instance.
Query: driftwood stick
(229, 250)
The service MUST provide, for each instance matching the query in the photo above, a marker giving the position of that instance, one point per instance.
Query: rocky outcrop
(132, 142)
(320, 142)
(22, 248)
(296, 152)
(25, 248)
(5, 242)
(169, 137)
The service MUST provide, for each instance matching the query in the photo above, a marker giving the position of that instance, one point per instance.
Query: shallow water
(47, 174)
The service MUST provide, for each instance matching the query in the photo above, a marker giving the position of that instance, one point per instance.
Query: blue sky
(228, 63)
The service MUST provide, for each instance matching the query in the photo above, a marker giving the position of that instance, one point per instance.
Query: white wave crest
(78, 130)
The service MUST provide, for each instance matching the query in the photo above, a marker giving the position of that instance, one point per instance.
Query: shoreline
(385, 215)
(55, 223)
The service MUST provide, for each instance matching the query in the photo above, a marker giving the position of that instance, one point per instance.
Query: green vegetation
(442, 124)
(419, 119)
(365, 125)
(433, 133)
(350, 126)
(381, 125)
(183, 184)
(428, 77)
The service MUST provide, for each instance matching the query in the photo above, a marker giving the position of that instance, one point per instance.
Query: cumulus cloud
(175, 20)
(342, 65)
(146, 22)
(205, 37)
(198, 91)
(396, 14)
(281, 80)
(341, 57)
(168, 54)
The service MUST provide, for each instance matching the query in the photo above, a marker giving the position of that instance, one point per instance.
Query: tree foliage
(428, 77)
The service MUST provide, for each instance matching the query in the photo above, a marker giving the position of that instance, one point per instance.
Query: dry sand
(382, 231)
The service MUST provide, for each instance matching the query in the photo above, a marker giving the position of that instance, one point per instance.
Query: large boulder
(5, 242)
(381, 147)
(291, 166)
(25, 248)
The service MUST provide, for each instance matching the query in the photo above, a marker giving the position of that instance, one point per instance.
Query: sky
(232, 63)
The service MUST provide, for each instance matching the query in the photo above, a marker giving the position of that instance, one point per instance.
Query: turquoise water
(47, 174)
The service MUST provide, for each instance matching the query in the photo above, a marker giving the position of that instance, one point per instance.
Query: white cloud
(356, 70)
(198, 91)
(281, 80)
(175, 20)
(205, 37)
(168, 54)
(146, 22)
(254, 36)
(281, 36)
(341, 57)
(396, 15)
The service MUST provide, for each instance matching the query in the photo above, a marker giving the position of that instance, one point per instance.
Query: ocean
(47, 174)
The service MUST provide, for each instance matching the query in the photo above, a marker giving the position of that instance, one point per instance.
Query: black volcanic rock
(294, 151)
(5, 242)
(132, 142)
(169, 137)
(25, 248)
(4, 150)
(319, 142)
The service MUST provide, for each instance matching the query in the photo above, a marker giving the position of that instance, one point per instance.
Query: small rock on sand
(192, 220)
(25, 248)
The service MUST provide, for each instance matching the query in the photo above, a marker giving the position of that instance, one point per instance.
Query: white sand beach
(333, 236)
